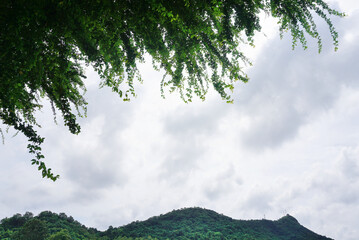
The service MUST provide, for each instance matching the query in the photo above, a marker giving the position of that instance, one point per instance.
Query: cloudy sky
(289, 144)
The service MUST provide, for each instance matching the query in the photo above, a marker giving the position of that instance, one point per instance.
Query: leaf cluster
(44, 45)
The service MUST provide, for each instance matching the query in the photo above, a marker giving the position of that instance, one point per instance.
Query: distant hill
(198, 223)
(188, 223)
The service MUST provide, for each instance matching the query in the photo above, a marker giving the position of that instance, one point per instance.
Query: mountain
(198, 223)
(187, 223)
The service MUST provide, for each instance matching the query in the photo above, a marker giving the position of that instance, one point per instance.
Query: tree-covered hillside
(188, 223)
(56, 226)
(198, 223)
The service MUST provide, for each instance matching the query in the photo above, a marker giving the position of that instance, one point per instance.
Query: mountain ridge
(186, 223)
(210, 222)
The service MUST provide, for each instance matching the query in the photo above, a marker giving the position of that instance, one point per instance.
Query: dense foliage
(44, 45)
(57, 226)
(190, 223)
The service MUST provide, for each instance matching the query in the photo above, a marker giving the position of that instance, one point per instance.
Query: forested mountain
(188, 223)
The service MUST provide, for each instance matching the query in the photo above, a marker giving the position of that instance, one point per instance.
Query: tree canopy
(45, 45)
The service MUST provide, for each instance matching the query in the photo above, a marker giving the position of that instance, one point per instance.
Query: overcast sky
(289, 144)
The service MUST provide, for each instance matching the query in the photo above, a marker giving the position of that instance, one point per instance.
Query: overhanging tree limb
(196, 42)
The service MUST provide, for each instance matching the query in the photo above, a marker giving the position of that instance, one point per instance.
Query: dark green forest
(187, 223)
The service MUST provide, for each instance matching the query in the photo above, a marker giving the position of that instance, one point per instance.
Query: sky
(288, 145)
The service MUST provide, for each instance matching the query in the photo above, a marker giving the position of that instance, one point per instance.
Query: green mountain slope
(13, 227)
(188, 223)
(198, 223)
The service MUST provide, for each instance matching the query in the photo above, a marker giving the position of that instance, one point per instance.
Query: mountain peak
(289, 218)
